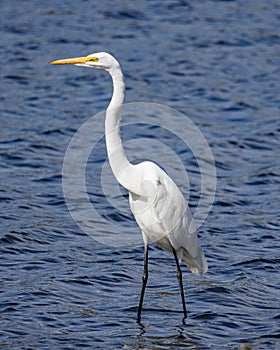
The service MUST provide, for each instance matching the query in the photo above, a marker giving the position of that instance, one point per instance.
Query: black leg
(144, 282)
(180, 281)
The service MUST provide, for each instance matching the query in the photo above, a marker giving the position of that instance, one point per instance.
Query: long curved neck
(120, 165)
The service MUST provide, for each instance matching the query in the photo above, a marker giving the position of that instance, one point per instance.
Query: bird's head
(100, 60)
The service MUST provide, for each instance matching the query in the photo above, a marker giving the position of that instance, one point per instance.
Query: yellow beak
(76, 60)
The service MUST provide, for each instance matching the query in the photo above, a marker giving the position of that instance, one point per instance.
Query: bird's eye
(93, 59)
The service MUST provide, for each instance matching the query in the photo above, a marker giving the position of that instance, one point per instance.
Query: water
(215, 61)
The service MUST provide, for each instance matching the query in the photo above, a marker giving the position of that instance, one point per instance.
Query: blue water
(215, 61)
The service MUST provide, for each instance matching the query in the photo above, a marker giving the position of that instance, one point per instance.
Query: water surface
(215, 61)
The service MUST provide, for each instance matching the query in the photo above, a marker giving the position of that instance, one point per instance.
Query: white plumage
(155, 200)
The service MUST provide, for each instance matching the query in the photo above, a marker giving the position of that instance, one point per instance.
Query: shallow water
(215, 61)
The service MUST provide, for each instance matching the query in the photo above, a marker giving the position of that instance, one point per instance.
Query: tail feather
(198, 265)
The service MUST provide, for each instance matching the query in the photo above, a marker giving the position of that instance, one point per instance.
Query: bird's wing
(164, 217)
(173, 215)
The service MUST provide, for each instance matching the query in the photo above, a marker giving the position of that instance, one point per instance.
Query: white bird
(155, 200)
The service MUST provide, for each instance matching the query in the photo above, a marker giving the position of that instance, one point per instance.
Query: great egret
(156, 202)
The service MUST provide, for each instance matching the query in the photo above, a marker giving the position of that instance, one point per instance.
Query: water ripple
(60, 288)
